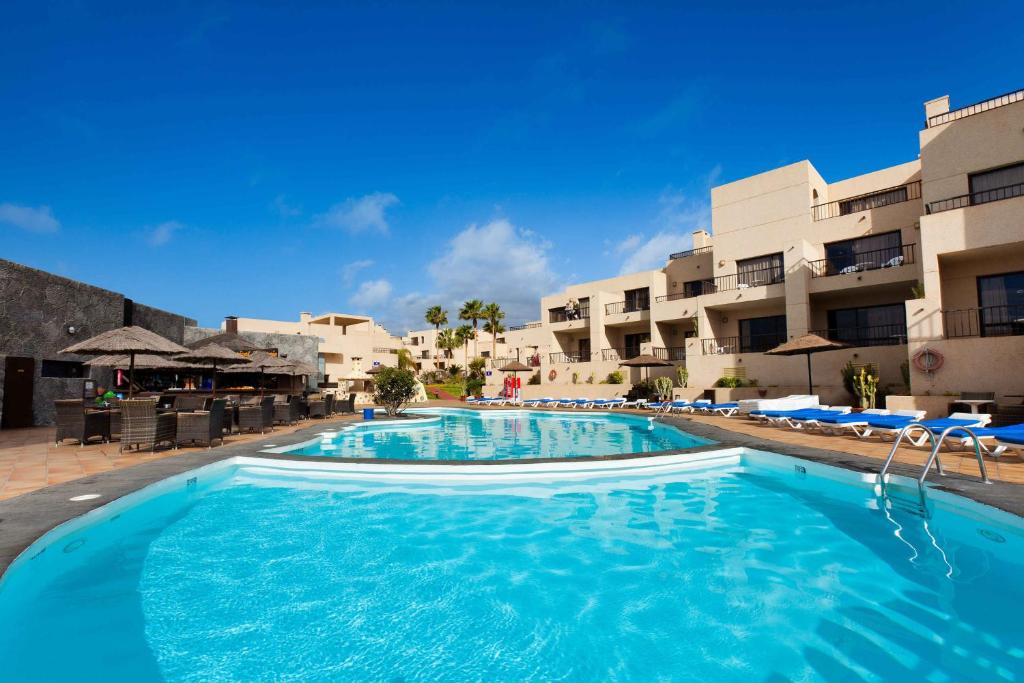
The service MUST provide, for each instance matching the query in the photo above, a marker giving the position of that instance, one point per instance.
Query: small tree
(663, 385)
(683, 375)
(394, 388)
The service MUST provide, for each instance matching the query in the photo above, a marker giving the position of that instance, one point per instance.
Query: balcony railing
(891, 257)
(974, 198)
(977, 108)
(559, 315)
(384, 349)
(690, 290)
(525, 326)
(569, 357)
(988, 321)
(873, 335)
(867, 201)
(675, 354)
(757, 343)
(750, 278)
(691, 252)
(621, 353)
(626, 307)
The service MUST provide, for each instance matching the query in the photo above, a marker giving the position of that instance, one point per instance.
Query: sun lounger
(889, 425)
(608, 403)
(636, 403)
(792, 402)
(809, 419)
(992, 440)
(724, 409)
(857, 423)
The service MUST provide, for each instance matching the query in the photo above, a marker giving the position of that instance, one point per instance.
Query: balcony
(874, 335)
(560, 315)
(757, 343)
(622, 353)
(673, 354)
(865, 202)
(975, 198)
(892, 257)
(988, 321)
(568, 358)
(748, 279)
(690, 290)
(691, 252)
(977, 108)
(627, 307)
(525, 326)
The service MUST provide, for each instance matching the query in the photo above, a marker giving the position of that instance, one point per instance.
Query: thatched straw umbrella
(143, 361)
(515, 367)
(213, 354)
(130, 340)
(229, 340)
(645, 361)
(376, 370)
(262, 361)
(806, 345)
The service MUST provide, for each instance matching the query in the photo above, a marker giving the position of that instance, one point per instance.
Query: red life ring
(927, 360)
(552, 375)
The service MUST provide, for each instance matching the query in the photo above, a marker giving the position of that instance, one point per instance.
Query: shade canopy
(806, 345)
(514, 366)
(213, 354)
(131, 339)
(229, 340)
(143, 361)
(261, 361)
(645, 361)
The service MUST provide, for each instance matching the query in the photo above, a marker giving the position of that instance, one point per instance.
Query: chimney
(701, 238)
(940, 105)
(305, 317)
(231, 324)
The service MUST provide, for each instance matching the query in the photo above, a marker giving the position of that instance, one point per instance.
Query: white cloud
(31, 218)
(652, 253)
(371, 294)
(361, 214)
(285, 209)
(350, 270)
(162, 234)
(678, 216)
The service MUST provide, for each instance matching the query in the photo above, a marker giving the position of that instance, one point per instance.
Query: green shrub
(615, 377)
(474, 386)
(729, 382)
(534, 378)
(394, 388)
(590, 378)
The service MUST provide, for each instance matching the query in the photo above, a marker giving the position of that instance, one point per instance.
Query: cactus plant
(865, 385)
(683, 375)
(663, 386)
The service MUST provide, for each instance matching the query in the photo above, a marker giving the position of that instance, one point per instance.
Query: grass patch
(453, 389)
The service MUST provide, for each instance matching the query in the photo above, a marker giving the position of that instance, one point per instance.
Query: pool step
(912, 499)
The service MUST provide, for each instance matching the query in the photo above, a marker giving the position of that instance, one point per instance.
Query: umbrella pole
(810, 384)
(215, 379)
(131, 373)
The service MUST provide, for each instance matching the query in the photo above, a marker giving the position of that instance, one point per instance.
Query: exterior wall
(36, 310)
(296, 347)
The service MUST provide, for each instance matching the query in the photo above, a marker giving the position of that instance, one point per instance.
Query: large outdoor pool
(736, 566)
(458, 434)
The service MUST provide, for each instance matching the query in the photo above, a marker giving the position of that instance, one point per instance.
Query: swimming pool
(729, 565)
(459, 434)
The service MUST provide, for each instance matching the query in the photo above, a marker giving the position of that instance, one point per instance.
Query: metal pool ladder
(934, 455)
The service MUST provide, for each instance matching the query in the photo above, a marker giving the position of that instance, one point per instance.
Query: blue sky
(257, 160)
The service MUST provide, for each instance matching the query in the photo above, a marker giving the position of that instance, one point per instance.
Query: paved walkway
(29, 460)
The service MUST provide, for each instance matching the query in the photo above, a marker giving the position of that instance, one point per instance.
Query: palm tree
(493, 315)
(447, 340)
(463, 333)
(473, 310)
(405, 360)
(436, 316)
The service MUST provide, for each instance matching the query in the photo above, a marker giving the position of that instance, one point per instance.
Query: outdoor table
(974, 403)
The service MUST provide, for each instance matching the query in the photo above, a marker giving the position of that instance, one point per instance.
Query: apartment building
(345, 341)
(792, 253)
(423, 346)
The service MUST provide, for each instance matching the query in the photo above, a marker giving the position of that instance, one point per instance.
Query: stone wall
(37, 312)
(298, 347)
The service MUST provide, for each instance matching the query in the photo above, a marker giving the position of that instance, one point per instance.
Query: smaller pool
(458, 434)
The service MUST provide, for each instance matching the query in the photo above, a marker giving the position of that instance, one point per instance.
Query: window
(869, 325)
(760, 334)
(873, 200)
(638, 299)
(632, 342)
(62, 368)
(1000, 303)
(485, 354)
(760, 271)
(999, 183)
(583, 347)
(864, 253)
(698, 288)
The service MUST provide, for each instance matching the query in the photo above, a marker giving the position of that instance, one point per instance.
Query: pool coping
(25, 518)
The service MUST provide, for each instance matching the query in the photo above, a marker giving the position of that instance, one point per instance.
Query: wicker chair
(259, 417)
(75, 422)
(329, 405)
(349, 406)
(141, 425)
(230, 415)
(286, 413)
(317, 408)
(204, 426)
(190, 403)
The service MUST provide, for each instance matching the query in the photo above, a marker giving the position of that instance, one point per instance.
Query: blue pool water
(743, 572)
(502, 435)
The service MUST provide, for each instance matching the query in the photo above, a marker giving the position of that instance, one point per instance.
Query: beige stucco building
(790, 253)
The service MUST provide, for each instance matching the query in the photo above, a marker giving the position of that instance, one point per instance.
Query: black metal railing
(988, 321)
(525, 326)
(626, 307)
(976, 108)
(690, 290)
(974, 198)
(747, 279)
(498, 362)
(756, 343)
(890, 257)
(620, 353)
(568, 357)
(872, 335)
(691, 252)
(560, 315)
(869, 200)
(675, 354)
